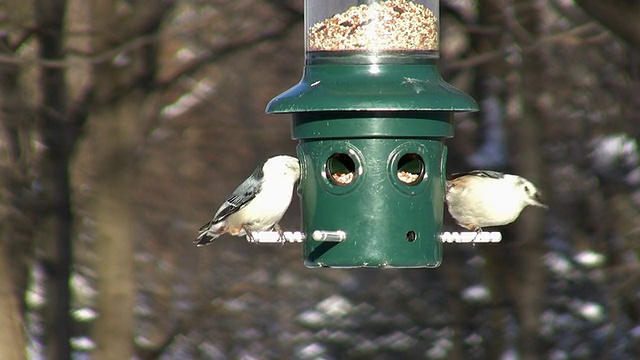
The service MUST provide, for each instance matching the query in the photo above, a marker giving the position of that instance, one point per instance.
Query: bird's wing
(246, 192)
(487, 173)
(480, 173)
(233, 204)
(240, 197)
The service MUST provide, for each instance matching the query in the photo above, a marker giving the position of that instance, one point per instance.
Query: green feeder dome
(371, 114)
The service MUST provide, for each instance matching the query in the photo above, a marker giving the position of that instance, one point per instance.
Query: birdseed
(343, 178)
(407, 177)
(392, 25)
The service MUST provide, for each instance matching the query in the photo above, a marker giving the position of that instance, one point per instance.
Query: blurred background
(126, 123)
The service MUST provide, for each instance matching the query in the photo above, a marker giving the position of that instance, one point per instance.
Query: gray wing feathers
(487, 173)
(241, 195)
(480, 173)
(239, 199)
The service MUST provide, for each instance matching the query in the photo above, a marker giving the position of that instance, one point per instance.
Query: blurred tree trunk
(15, 234)
(55, 130)
(113, 146)
(498, 269)
(525, 129)
(121, 92)
(12, 341)
(114, 230)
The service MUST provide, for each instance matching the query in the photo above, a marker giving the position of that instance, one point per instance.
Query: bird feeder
(371, 114)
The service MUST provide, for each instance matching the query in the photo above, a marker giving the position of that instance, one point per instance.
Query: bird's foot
(248, 233)
(281, 236)
(478, 231)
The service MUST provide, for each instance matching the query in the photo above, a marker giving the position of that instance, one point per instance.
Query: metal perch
(465, 237)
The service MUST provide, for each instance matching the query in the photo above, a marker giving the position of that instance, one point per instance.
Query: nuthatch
(483, 198)
(258, 203)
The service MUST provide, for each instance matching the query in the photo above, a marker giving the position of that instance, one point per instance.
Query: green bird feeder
(371, 114)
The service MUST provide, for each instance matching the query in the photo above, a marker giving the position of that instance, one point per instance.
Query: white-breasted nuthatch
(483, 198)
(258, 203)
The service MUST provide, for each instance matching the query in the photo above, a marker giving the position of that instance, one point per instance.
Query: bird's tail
(207, 234)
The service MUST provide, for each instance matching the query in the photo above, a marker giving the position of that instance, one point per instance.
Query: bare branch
(620, 16)
(572, 36)
(219, 51)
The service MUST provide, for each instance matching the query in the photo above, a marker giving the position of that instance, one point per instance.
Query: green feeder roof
(371, 87)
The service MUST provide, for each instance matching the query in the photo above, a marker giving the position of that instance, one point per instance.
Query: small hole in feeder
(410, 169)
(411, 236)
(341, 169)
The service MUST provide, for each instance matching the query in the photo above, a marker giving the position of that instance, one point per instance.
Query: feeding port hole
(410, 169)
(341, 169)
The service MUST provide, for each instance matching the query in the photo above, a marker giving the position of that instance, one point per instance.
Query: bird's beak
(536, 200)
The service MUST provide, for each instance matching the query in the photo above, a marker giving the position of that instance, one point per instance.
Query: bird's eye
(526, 189)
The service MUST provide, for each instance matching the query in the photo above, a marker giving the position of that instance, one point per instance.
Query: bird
(257, 204)
(482, 198)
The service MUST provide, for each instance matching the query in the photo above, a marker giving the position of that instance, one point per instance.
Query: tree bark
(17, 227)
(498, 269)
(12, 340)
(619, 16)
(112, 146)
(16, 236)
(13, 266)
(117, 124)
(525, 130)
(114, 230)
(55, 130)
